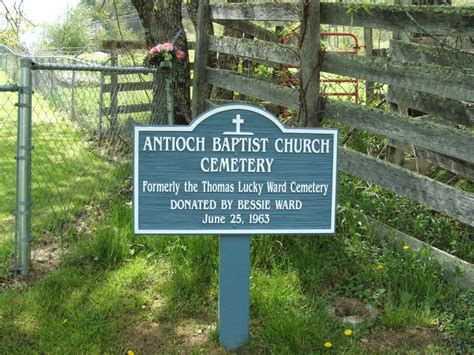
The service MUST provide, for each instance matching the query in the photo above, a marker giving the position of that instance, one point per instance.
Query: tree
(162, 20)
(12, 23)
(110, 19)
(75, 32)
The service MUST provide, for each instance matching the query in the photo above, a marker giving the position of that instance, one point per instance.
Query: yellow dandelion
(130, 352)
(406, 247)
(348, 332)
(328, 344)
(379, 266)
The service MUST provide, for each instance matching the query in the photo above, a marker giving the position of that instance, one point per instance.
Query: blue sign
(234, 170)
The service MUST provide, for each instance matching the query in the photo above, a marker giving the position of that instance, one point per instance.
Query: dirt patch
(414, 338)
(45, 256)
(48, 248)
(187, 336)
(351, 310)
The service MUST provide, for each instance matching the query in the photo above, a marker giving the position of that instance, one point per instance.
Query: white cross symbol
(238, 124)
(237, 121)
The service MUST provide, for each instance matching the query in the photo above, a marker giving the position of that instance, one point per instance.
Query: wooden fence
(434, 86)
(116, 86)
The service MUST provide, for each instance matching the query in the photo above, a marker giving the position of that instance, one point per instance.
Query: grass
(65, 174)
(112, 288)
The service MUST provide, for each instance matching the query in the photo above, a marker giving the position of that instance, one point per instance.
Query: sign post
(234, 289)
(234, 171)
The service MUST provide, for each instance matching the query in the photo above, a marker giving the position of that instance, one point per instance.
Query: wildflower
(328, 344)
(379, 266)
(406, 247)
(348, 332)
(130, 352)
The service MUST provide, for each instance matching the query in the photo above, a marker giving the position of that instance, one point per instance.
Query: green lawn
(65, 174)
(112, 292)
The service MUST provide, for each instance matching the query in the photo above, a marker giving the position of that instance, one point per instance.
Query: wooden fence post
(113, 113)
(200, 87)
(310, 64)
(369, 52)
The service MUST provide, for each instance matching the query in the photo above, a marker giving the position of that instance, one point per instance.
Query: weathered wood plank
(437, 195)
(454, 111)
(269, 106)
(114, 44)
(200, 87)
(105, 73)
(453, 268)
(250, 29)
(255, 12)
(138, 86)
(257, 50)
(369, 52)
(279, 94)
(438, 80)
(430, 193)
(121, 109)
(409, 130)
(310, 65)
(437, 55)
(436, 20)
(454, 165)
(438, 138)
(113, 112)
(446, 82)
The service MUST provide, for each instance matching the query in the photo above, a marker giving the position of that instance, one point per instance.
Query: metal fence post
(23, 174)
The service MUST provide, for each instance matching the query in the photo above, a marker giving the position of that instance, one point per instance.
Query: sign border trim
(190, 128)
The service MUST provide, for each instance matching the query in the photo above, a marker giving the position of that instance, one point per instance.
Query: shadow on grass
(73, 309)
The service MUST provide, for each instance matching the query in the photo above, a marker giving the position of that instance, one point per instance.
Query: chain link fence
(80, 122)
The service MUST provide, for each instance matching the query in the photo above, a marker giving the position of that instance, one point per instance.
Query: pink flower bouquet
(163, 52)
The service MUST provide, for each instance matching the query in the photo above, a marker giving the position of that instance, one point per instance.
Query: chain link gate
(79, 119)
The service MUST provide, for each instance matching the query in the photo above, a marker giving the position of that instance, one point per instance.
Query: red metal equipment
(355, 50)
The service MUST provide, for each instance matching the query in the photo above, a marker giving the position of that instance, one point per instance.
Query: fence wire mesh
(82, 120)
(8, 135)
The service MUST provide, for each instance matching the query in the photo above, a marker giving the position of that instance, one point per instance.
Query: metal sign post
(234, 171)
(234, 290)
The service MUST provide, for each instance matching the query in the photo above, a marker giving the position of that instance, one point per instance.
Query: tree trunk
(161, 20)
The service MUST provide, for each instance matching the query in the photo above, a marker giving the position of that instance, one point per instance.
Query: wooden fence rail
(454, 111)
(438, 80)
(435, 86)
(449, 141)
(438, 54)
(436, 20)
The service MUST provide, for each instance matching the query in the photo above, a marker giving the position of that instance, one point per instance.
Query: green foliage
(110, 282)
(75, 32)
(9, 37)
(104, 13)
